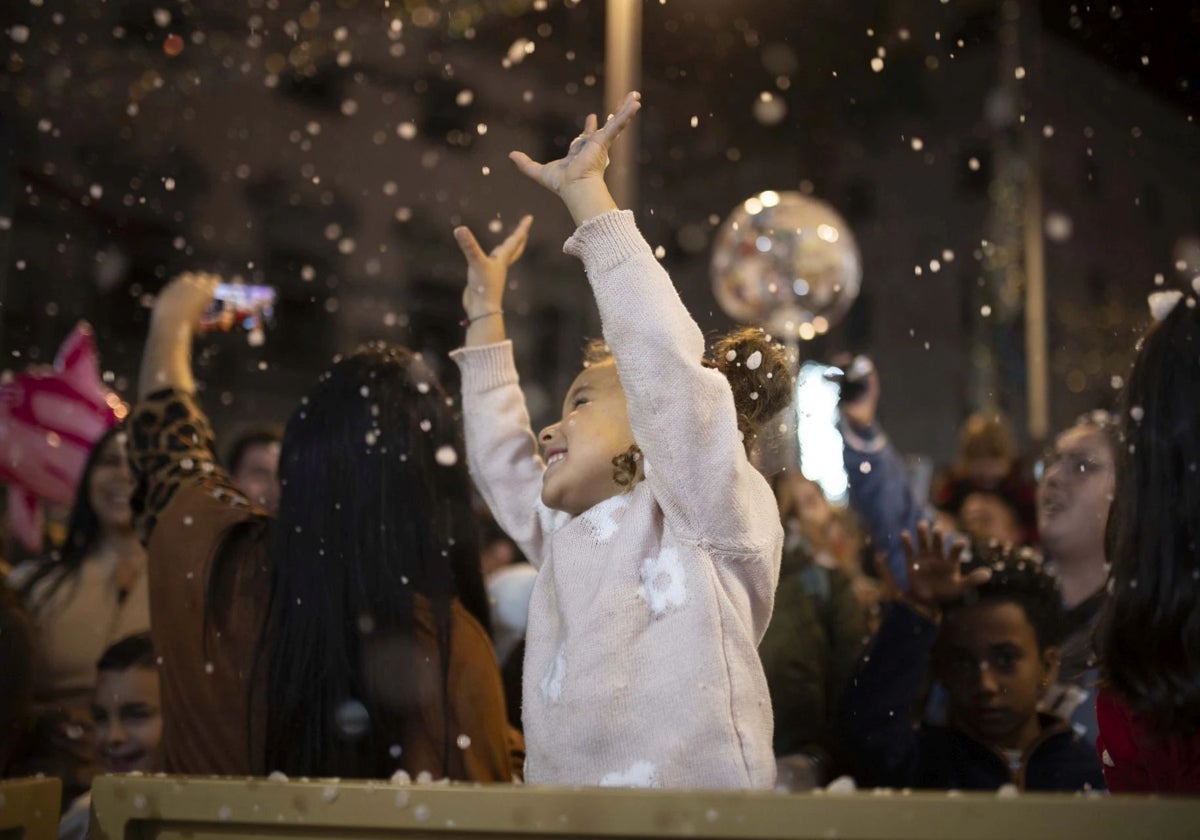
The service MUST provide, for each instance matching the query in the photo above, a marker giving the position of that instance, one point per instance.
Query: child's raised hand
(934, 574)
(587, 158)
(487, 273)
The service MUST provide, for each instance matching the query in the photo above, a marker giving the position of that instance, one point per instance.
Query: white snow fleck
(1008, 791)
(754, 360)
(841, 785)
(553, 680)
(446, 456)
(1161, 303)
(663, 581)
(642, 774)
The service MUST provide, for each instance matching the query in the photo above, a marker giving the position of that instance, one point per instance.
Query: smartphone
(234, 304)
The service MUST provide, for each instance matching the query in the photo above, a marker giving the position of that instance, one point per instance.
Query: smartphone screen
(236, 304)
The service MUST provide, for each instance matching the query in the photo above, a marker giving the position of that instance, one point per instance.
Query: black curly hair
(1018, 577)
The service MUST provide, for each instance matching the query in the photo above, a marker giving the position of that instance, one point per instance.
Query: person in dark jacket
(990, 628)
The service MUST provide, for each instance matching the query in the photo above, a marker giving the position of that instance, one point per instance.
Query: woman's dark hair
(1149, 634)
(1018, 577)
(136, 651)
(83, 531)
(759, 376)
(375, 513)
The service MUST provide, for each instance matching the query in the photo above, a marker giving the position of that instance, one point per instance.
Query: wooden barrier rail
(29, 809)
(173, 808)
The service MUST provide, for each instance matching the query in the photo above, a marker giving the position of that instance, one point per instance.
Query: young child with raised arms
(657, 542)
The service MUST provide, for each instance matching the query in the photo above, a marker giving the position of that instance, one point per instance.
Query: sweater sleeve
(873, 719)
(682, 414)
(502, 452)
(171, 452)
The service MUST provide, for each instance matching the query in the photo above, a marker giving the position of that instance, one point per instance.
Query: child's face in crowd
(128, 720)
(110, 485)
(579, 449)
(1075, 493)
(989, 662)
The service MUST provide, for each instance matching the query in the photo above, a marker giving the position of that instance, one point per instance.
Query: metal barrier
(178, 807)
(29, 809)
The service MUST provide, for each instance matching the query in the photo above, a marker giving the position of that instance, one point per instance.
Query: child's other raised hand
(934, 574)
(486, 276)
(587, 158)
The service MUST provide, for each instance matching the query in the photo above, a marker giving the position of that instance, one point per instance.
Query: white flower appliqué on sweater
(552, 682)
(663, 582)
(642, 774)
(604, 517)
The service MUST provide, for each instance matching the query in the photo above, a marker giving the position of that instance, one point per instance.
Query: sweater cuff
(486, 367)
(606, 241)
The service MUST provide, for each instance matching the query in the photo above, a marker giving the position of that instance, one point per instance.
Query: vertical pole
(623, 73)
(1036, 338)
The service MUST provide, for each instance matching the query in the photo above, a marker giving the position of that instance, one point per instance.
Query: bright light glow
(769, 198)
(807, 332)
(816, 429)
(753, 206)
(763, 244)
(821, 324)
(800, 287)
(827, 232)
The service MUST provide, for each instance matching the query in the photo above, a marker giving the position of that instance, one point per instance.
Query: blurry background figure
(254, 465)
(128, 720)
(16, 664)
(81, 599)
(987, 461)
(509, 579)
(816, 633)
(988, 517)
(827, 535)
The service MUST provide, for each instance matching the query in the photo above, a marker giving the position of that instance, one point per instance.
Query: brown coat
(190, 510)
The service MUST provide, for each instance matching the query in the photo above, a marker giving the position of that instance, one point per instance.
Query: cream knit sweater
(641, 663)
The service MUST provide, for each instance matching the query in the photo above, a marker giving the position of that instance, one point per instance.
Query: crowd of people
(403, 584)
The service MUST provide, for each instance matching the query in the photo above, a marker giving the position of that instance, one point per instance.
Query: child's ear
(1050, 660)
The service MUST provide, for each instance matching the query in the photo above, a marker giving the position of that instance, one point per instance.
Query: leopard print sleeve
(171, 445)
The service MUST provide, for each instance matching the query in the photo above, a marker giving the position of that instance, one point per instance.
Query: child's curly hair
(759, 376)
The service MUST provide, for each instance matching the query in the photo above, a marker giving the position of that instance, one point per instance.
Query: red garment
(1138, 760)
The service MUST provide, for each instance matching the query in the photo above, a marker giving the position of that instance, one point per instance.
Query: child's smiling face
(580, 448)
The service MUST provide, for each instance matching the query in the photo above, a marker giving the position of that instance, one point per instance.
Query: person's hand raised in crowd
(578, 177)
(487, 275)
(934, 572)
(177, 316)
(861, 412)
(183, 301)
